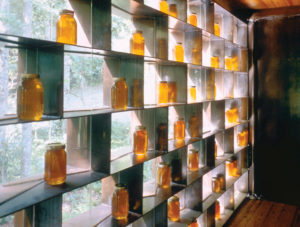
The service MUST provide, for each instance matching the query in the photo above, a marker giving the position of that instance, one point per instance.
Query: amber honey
(193, 160)
(194, 224)
(179, 129)
(232, 115)
(163, 6)
(217, 29)
(242, 138)
(192, 19)
(137, 43)
(235, 63)
(217, 210)
(193, 93)
(119, 94)
(30, 98)
(140, 140)
(228, 63)
(174, 209)
(120, 202)
(215, 184)
(196, 56)
(162, 132)
(214, 62)
(194, 125)
(162, 49)
(172, 92)
(55, 164)
(178, 52)
(163, 92)
(221, 179)
(173, 10)
(163, 176)
(231, 167)
(66, 28)
(137, 93)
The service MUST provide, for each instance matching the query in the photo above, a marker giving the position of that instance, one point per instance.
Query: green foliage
(119, 134)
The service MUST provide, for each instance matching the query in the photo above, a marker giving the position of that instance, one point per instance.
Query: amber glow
(120, 202)
(196, 56)
(222, 181)
(137, 93)
(216, 187)
(174, 209)
(172, 92)
(162, 131)
(138, 43)
(178, 52)
(193, 160)
(214, 62)
(179, 129)
(194, 224)
(193, 19)
(119, 94)
(217, 30)
(193, 93)
(242, 138)
(163, 176)
(163, 92)
(163, 6)
(55, 165)
(66, 28)
(231, 168)
(194, 125)
(173, 10)
(30, 98)
(235, 63)
(232, 115)
(140, 141)
(217, 210)
(228, 63)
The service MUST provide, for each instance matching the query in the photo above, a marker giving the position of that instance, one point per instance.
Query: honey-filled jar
(163, 6)
(172, 92)
(30, 98)
(231, 167)
(55, 164)
(193, 160)
(137, 43)
(193, 19)
(162, 138)
(66, 28)
(221, 179)
(194, 125)
(217, 29)
(215, 184)
(163, 92)
(163, 176)
(217, 210)
(174, 209)
(235, 63)
(137, 93)
(119, 94)
(214, 62)
(120, 202)
(193, 93)
(232, 115)
(140, 140)
(194, 224)
(173, 10)
(196, 56)
(179, 129)
(179, 52)
(242, 138)
(228, 63)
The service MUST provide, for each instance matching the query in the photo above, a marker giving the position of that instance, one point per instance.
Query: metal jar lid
(66, 11)
(29, 75)
(55, 146)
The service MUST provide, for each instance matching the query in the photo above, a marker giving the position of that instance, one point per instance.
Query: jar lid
(163, 164)
(140, 127)
(180, 43)
(215, 179)
(194, 13)
(29, 75)
(193, 86)
(55, 146)
(120, 186)
(180, 119)
(173, 199)
(193, 151)
(220, 175)
(172, 5)
(66, 11)
(119, 78)
(163, 81)
(138, 31)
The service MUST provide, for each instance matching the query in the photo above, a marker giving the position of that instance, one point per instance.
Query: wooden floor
(265, 213)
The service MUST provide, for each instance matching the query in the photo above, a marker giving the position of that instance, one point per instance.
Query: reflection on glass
(214, 62)
(178, 52)
(163, 176)
(162, 49)
(196, 56)
(162, 132)
(179, 129)
(119, 94)
(215, 185)
(193, 160)
(228, 63)
(66, 28)
(163, 92)
(221, 179)
(172, 92)
(194, 125)
(137, 93)
(242, 138)
(120, 202)
(235, 63)
(140, 140)
(174, 209)
(173, 10)
(138, 43)
(193, 19)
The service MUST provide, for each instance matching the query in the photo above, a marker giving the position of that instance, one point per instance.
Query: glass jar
(163, 92)
(230, 167)
(193, 160)
(196, 56)
(232, 115)
(55, 164)
(30, 98)
(179, 129)
(66, 28)
(178, 52)
(162, 140)
(214, 62)
(215, 184)
(221, 179)
(217, 29)
(193, 19)
(235, 63)
(172, 92)
(228, 63)
(163, 176)
(163, 6)
(119, 94)
(194, 224)
(194, 125)
(173, 10)
(120, 202)
(217, 210)
(140, 140)
(174, 209)
(138, 43)
(138, 93)
(193, 93)
(242, 138)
